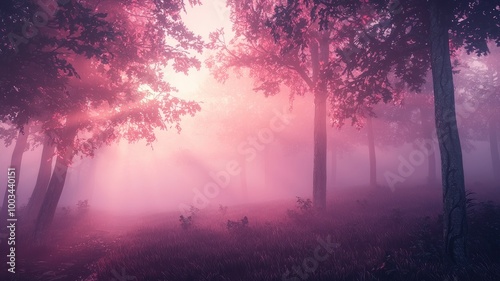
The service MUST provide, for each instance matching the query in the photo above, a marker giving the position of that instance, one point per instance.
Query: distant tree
(479, 86)
(410, 122)
(295, 54)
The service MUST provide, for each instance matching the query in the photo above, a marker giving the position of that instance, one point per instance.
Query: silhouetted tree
(15, 162)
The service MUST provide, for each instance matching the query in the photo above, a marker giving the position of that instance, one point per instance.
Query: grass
(380, 236)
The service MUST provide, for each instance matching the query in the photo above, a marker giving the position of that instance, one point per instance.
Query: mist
(249, 140)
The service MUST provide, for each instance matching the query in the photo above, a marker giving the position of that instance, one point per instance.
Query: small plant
(66, 211)
(186, 222)
(83, 206)
(222, 209)
(304, 205)
(306, 209)
(237, 224)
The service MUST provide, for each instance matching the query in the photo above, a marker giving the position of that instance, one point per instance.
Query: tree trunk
(15, 162)
(53, 194)
(319, 169)
(42, 181)
(319, 58)
(495, 156)
(431, 167)
(431, 157)
(371, 152)
(454, 217)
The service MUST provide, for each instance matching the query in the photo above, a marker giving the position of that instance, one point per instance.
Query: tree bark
(42, 181)
(371, 152)
(431, 157)
(495, 156)
(431, 169)
(319, 53)
(454, 201)
(53, 194)
(15, 162)
(319, 169)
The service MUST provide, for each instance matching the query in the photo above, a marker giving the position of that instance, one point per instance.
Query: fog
(272, 137)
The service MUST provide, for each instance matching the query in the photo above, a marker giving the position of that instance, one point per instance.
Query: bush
(66, 211)
(83, 206)
(237, 224)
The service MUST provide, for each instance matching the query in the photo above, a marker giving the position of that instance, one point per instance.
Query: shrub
(83, 206)
(304, 205)
(222, 209)
(237, 224)
(66, 211)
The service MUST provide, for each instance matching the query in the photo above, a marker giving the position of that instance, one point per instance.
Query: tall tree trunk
(42, 181)
(319, 169)
(371, 152)
(431, 169)
(454, 217)
(15, 162)
(431, 157)
(53, 194)
(495, 156)
(319, 56)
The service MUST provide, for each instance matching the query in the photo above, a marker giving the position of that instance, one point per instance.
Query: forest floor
(363, 235)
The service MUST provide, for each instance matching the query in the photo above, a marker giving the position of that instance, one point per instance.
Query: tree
(121, 50)
(410, 37)
(42, 180)
(15, 162)
(295, 54)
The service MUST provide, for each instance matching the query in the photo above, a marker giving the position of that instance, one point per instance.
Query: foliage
(305, 205)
